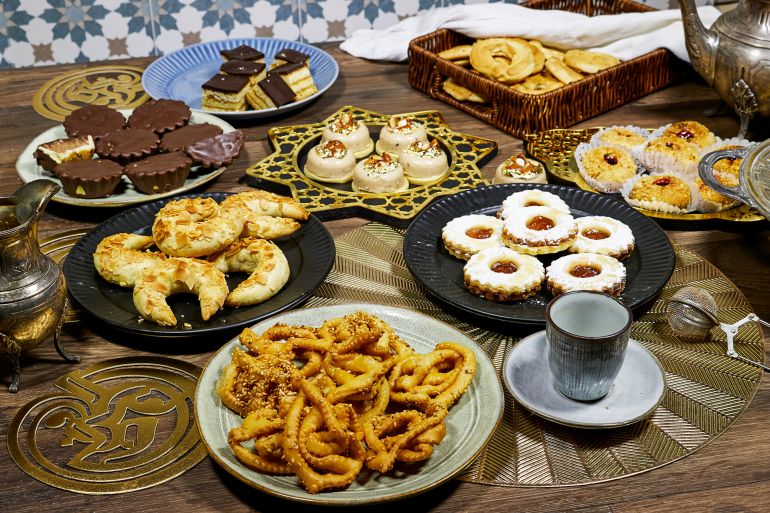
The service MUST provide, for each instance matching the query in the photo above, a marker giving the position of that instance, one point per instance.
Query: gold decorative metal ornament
(707, 390)
(555, 148)
(465, 154)
(116, 426)
(57, 247)
(116, 86)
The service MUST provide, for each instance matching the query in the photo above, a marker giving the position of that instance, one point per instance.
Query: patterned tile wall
(40, 32)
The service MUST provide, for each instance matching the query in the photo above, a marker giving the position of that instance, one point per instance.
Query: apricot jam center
(533, 204)
(540, 223)
(595, 234)
(478, 233)
(504, 267)
(584, 271)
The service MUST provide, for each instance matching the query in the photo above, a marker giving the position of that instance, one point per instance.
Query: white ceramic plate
(470, 423)
(125, 194)
(637, 391)
(179, 75)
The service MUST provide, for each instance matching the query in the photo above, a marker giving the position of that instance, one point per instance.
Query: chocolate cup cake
(94, 120)
(159, 173)
(190, 134)
(160, 116)
(89, 178)
(217, 151)
(127, 145)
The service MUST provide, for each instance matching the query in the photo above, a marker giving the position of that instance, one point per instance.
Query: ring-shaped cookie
(501, 274)
(194, 227)
(539, 231)
(604, 236)
(467, 235)
(586, 271)
(531, 198)
(506, 60)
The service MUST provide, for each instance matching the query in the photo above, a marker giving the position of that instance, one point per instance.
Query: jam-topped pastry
(467, 235)
(379, 173)
(603, 235)
(605, 168)
(353, 133)
(330, 161)
(539, 231)
(586, 271)
(424, 162)
(399, 132)
(501, 274)
(519, 169)
(670, 155)
(663, 193)
(691, 132)
(628, 137)
(531, 198)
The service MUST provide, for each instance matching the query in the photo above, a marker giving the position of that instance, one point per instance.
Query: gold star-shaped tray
(284, 168)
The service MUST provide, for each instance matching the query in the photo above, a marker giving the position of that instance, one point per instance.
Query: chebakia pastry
(351, 132)
(399, 132)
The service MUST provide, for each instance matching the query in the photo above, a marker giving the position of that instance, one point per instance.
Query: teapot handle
(706, 172)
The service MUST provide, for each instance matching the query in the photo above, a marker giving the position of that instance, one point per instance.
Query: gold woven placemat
(116, 86)
(707, 390)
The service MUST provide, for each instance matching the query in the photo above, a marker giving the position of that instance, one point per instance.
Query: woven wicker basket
(520, 114)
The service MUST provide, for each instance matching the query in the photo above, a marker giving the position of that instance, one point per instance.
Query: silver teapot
(733, 55)
(33, 294)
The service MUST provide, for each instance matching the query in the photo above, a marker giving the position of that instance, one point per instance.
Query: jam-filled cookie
(586, 271)
(501, 274)
(539, 231)
(531, 198)
(467, 235)
(604, 236)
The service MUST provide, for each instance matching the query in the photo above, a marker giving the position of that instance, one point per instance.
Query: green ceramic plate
(470, 423)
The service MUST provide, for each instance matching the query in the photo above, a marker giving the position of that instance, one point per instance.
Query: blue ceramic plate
(180, 74)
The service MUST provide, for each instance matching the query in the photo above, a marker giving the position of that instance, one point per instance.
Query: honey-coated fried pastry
(194, 227)
(266, 263)
(121, 258)
(178, 275)
(266, 430)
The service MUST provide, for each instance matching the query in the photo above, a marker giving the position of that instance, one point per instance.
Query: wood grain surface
(730, 474)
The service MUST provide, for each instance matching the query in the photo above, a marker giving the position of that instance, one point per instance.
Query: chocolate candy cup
(190, 134)
(217, 151)
(160, 116)
(94, 120)
(127, 145)
(159, 173)
(89, 178)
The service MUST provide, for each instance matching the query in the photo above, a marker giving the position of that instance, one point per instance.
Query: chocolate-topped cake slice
(298, 77)
(93, 120)
(288, 55)
(243, 53)
(225, 92)
(255, 71)
(271, 92)
(160, 116)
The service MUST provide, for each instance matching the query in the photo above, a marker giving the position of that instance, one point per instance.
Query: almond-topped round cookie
(603, 235)
(399, 132)
(605, 168)
(628, 137)
(664, 193)
(586, 271)
(539, 231)
(531, 198)
(465, 236)
(691, 132)
(501, 274)
(667, 155)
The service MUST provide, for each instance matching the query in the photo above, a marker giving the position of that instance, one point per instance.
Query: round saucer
(637, 391)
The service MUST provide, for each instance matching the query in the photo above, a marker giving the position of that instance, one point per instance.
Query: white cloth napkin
(625, 35)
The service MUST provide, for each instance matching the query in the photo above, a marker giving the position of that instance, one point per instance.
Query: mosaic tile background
(41, 32)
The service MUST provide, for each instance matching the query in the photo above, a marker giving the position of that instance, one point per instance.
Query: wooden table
(730, 474)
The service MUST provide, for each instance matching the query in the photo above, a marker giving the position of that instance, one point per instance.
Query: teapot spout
(701, 42)
(31, 198)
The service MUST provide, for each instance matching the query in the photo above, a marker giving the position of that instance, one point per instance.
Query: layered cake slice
(243, 53)
(225, 92)
(255, 71)
(271, 92)
(51, 154)
(288, 55)
(298, 77)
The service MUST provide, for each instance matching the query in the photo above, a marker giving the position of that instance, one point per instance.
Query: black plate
(647, 269)
(310, 252)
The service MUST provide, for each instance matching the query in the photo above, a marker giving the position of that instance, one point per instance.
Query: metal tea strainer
(692, 312)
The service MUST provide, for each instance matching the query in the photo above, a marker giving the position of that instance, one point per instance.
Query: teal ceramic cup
(587, 336)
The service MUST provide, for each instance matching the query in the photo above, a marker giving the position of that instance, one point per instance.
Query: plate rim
(314, 499)
(25, 158)
(247, 114)
(409, 245)
(176, 334)
(531, 339)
